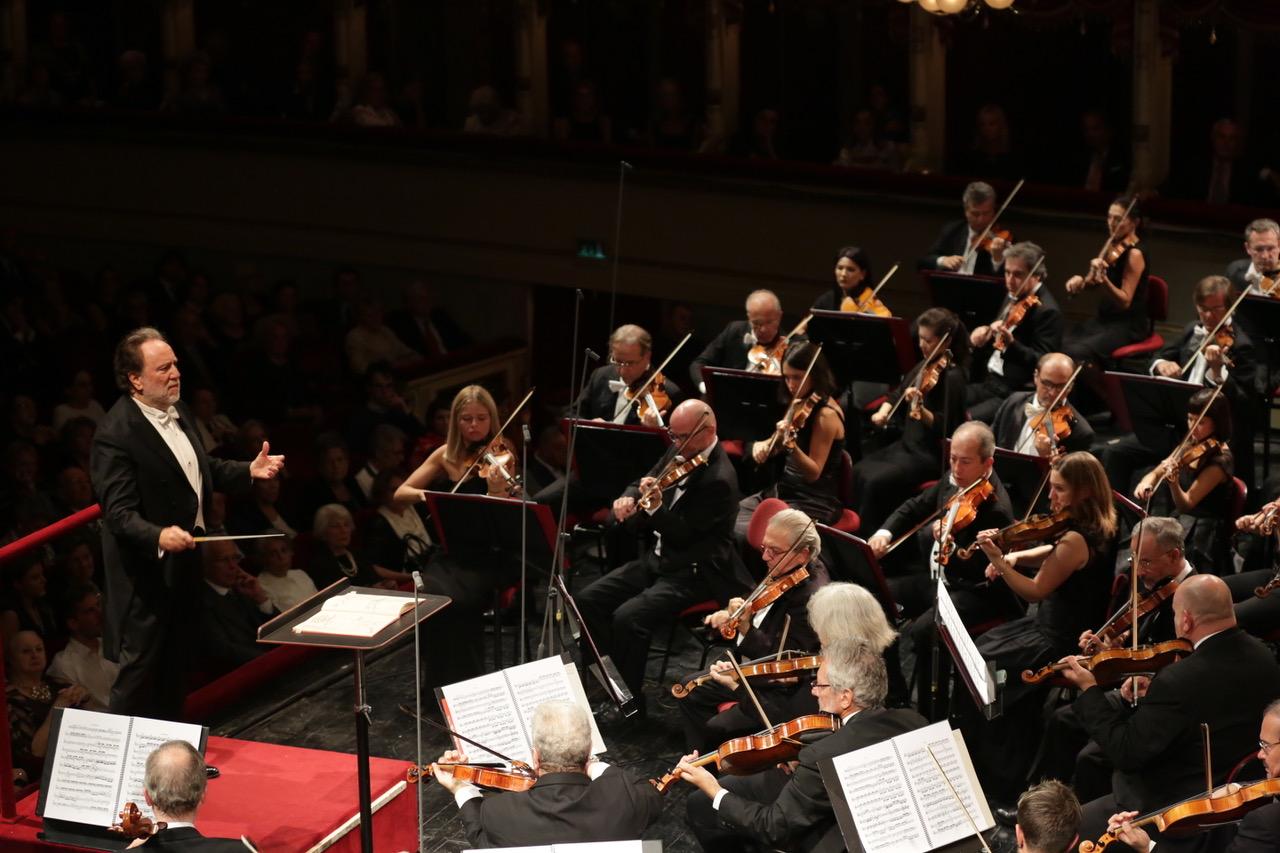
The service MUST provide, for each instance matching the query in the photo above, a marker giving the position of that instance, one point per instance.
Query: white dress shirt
(79, 664)
(166, 423)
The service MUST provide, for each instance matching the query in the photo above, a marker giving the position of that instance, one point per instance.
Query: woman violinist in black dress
(1122, 278)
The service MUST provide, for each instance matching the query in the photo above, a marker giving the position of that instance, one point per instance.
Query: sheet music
(966, 650)
(86, 767)
(944, 820)
(146, 736)
(546, 680)
(484, 710)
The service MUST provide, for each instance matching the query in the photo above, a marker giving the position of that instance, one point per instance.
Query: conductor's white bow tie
(168, 416)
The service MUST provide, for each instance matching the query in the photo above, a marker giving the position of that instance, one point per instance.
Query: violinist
(853, 287)
(925, 413)
(1226, 683)
(731, 348)
(454, 637)
(1070, 585)
(610, 391)
(793, 811)
(950, 251)
(1017, 416)
(1262, 245)
(693, 558)
(1047, 819)
(1257, 614)
(1028, 327)
(1199, 487)
(174, 782)
(913, 567)
(808, 475)
(1229, 359)
(1259, 832)
(576, 797)
(790, 542)
(1120, 273)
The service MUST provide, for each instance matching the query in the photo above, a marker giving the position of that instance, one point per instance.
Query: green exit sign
(592, 250)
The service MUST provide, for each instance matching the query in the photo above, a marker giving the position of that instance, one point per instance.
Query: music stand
(849, 558)
(746, 404)
(613, 456)
(863, 347)
(279, 632)
(1153, 408)
(985, 684)
(480, 524)
(975, 299)
(1021, 474)
(1260, 317)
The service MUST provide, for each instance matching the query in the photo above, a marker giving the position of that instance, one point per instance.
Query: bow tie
(616, 385)
(168, 416)
(1031, 409)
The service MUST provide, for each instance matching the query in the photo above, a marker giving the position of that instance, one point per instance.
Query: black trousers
(453, 639)
(156, 651)
(706, 727)
(886, 478)
(1258, 616)
(717, 836)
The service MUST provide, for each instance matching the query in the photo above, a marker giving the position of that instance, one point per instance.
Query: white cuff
(465, 793)
(886, 531)
(595, 768)
(715, 803)
(1222, 376)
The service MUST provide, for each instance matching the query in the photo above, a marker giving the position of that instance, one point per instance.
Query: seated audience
(396, 541)
(259, 511)
(383, 404)
(232, 606)
(335, 485)
(81, 661)
(212, 427)
(23, 606)
(32, 698)
(79, 401)
(386, 453)
(333, 558)
(285, 585)
(425, 327)
(371, 340)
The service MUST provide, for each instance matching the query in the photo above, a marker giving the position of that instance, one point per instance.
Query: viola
(1225, 805)
(519, 779)
(1118, 627)
(769, 668)
(677, 470)
(652, 396)
(1017, 313)
(134, 824)
(866, 302)
(1114, 665)
(769, 592)
(1037, 528)
(743, 755)
(968, 502)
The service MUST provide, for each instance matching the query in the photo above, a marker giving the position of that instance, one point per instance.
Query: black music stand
(965, 657)
(613, 456)
(1260, 317)
(1021, 474)
(746, 404)
(471, 525)
(1153, 408)
(849, 558)
(279, 632)
(975, 299)
(863, 347)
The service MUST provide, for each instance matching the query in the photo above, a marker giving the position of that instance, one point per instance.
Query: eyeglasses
(768, 551)
(818, 685)
(678, 437)
(617, 363)
(1266, 747)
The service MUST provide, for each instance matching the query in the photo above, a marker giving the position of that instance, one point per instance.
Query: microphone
(524, 430)
(417, 580)
(592, 354)
(627, 165)
(417, 691)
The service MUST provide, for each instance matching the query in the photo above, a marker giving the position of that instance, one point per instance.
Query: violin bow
(959, 802)
(795, 400)
(513, 762)
(1213, 335)
(771, 575)
(501, 431)
(978, 242)
(883, 282)
(644, 389)
(946, 339)
(934, 515)
(1053, 438)
(679, 454)
(782, 641)
(742, 679)
(1182, 445)
(1026, 282)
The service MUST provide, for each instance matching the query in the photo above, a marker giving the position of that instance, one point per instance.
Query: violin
(792, 422)
(1118, 248)
(765, 594)
(1195, 456)
(994, 233)
(1055, 423)
(769, 668)
(1267, 588)
(653, 397)
(1225, 805)
(677, 470)
(1269, 284)
(744, 755)
(928, 380)
(1017, 313)
(1115, 665)
(520, 778)
(767, 358)
(1037, 528)
(968, 502)
(1118, 626)
(134, 824)
(865, 302)
(496, 455)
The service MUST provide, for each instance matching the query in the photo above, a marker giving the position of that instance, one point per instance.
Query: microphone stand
(623, 168)
(417, 690)
(524, 537)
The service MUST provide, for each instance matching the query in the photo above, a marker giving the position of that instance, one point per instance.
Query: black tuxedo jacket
(1039, 333)
(228, 635)
(953, 240)
(562, 808)
(1241, 376)
(994, 512)
(1012, 415)
(188, 838)
(802, 813)
(728, 349)
(1236, 272)
(1259, 832)
(698, 530)
(142, 490)
(1156, 749)
(763, 640)
(598, 401)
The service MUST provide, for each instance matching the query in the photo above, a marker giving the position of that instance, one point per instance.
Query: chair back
(764, 513)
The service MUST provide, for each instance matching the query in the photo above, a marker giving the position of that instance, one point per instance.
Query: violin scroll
(134, 824)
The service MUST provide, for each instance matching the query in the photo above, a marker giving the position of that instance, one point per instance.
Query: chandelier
(954, 7)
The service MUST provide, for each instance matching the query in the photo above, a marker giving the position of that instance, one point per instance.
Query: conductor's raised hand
(176, 539)
(265, 466)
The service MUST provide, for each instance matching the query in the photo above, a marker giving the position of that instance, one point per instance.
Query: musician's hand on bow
(723, 673)
(760, 451)
(1166, 368)
(655, 497)
(175, 539)
(1075, 284)
(1120, 825)
(980, 337)
(951, 262)
(998, 245)
(1147, 485)
(880, 543)
(881, 415)
(1097, 271)
(1138, 684)
(264, 467)
(650, 417)
(720, 618)
(698, 777)
(1087, 639)
(1079, 677)
(1249, 523)
(625, 506)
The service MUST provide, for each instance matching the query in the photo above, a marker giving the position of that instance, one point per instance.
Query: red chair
(848, 522)
(1157, 312)
(691, 619)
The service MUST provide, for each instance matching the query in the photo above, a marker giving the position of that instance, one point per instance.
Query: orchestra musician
(576, 797)
(1259, 615)
(1005, 358)
(1258, 832)
(453, 638)
(886, 477)
(853, 286)
(810, 464)
(630, 359)
(949, 250)
(1018, 413)
(1156, 748)
(1048, 819)
(1200, 491)
(693, 558)
(1122, 311)
(913, 585)
(1262, 245)
(763, 326)
(1070, 585)
(790, 542)
(792, 810)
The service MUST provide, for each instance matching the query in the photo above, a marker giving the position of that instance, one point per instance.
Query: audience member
(276, 388)
(79, 401)
(32, 698)
(425, 327)
(396, 540)
(334, 485)
(334, 559)
(761, 141)
(863, 148)
(75, 441)
(584, 121)
(81, 661)
(261, 511)
(23, 605)
(486, 114)
(372, 109)
(991, 154)
(372, 341)
(200, 95)
(386, 453)
(74, 490)
(214, 429)
(1103, 165)
(672, 124)
(1223, 176)
(285, 585)
(232, 606)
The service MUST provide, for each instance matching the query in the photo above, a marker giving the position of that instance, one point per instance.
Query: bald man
(693, 558)
(729, 349)
(1227, 682)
